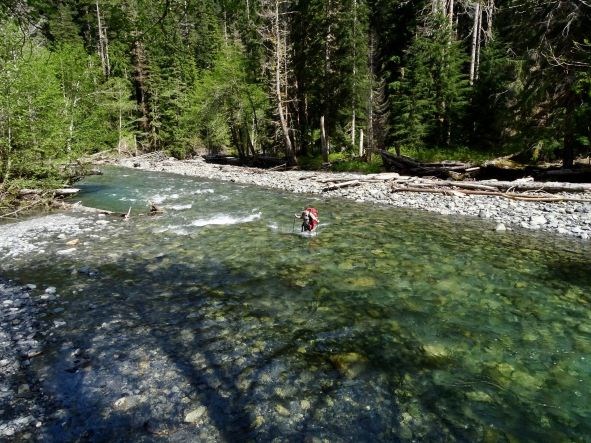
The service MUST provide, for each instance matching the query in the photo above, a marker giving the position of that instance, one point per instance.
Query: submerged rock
(195, 415)
(350, 364)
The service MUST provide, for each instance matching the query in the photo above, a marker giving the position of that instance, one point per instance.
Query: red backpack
(313, 222)
(314, 212)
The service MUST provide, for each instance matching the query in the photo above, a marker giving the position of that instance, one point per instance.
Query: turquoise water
(388, 325)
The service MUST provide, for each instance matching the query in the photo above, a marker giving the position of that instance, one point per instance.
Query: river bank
(564, 218)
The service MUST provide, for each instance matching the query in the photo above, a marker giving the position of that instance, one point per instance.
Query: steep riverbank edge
(564, 218)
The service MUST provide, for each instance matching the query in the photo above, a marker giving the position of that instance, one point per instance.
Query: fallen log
(517, 185)
(79, 207)
(278, 167)
(509, 195)
(57, 192)
(336, 179)
(384, 176)
(341, 185)
(409, 166)
(369, 178)
(462, 185)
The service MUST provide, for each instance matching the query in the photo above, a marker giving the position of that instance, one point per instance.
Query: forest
(297, 79)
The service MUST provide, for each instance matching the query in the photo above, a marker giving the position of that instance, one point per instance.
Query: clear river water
(219, 321)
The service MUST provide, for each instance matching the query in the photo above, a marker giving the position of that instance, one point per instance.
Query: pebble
(17, 329)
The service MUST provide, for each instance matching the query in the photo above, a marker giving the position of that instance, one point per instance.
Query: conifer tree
(432, 93)
(553, 40)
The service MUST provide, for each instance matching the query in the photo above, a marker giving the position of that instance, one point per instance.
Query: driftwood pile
(524, 189)
(502, 168)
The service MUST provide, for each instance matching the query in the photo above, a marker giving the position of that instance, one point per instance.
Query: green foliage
(31, 122)
(494, 95)
(115, 99)
(342, 162)
(454, 153)
(330, 66)
(224, 109)
(432, 93)
(196, 76)
(310, 162)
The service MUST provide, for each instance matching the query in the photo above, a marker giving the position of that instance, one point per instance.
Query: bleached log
(369, 178)
(278, 167)
(517, 185)
(341, 185)
(523, 185)
(509, 195)
(57, 192)
(454, 184)
(335, 179)
(383, 176)
(79, 207)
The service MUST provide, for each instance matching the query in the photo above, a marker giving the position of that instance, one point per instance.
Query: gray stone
(537, 220)
(195, 414)
(500, 227)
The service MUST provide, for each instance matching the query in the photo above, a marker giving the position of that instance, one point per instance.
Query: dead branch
(278, 167)
(21, 209)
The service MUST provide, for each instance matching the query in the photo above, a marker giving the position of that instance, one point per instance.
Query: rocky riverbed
(21, 410)
(111, 336)
(565, 218)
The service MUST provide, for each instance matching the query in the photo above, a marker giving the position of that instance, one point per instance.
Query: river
(218, 320)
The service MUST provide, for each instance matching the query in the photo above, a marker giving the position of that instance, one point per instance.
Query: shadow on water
(135, 358)
(147, 343)
(577, 273)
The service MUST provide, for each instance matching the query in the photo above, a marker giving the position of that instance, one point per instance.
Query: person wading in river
(309, 219)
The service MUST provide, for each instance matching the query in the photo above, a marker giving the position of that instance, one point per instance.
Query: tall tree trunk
(252, 140)
(32, 128)
(326, 98)
(370, 101)
(103, 45)
(279, 54)
(475, 41)
(354, 96)
(120, 123)
(490, 8)
(324, 141)
(6, 154)
(71, 98)
(478, 43)
(450, 13)
(438, 6)
(361, 150)
(140, 78)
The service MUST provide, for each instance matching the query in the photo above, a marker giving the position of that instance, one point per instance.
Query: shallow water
(388, 325)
